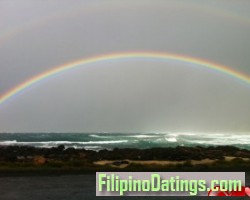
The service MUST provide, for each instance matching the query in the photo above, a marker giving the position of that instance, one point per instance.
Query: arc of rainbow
(171, 57)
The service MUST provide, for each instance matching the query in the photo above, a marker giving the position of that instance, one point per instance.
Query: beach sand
(161, 162)
(153, 162)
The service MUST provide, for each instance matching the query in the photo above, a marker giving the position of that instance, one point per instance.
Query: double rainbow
(130, 55)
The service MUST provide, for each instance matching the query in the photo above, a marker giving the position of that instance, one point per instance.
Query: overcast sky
(125, 95)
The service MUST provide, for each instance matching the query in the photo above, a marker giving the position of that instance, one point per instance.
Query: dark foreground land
(27, 159)
(28, 173)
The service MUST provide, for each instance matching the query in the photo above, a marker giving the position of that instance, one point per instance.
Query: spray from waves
(171, 139)
(221, 139)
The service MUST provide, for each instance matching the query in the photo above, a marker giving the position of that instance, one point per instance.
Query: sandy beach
(162, 162)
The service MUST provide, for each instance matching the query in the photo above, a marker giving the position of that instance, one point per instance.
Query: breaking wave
(99, 141)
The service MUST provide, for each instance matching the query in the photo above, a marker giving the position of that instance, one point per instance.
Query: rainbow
(127, 55)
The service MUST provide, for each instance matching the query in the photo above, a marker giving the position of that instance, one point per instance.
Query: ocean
(98, 141)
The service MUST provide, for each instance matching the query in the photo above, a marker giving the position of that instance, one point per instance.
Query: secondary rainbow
(93, 8)
(130, 55)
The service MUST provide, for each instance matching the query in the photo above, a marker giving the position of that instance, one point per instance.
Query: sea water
(97, 141)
